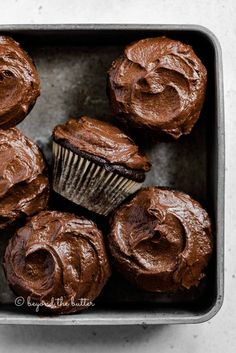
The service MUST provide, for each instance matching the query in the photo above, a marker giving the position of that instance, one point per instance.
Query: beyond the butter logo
(53, 302)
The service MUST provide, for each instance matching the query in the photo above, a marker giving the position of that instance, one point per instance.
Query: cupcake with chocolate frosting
(158, 85)
(57, 261)
(19, 83)
(161, 240)
(24, 186)
(95, 164)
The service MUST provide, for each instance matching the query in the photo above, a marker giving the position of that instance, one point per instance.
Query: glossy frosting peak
(158, 84)
(57, 255)
(102, 140)
(19, 83)
(161, 240)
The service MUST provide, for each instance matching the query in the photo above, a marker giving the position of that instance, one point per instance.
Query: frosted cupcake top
(161, 240)
(19, 83)
(158, 84)
(101, 140)
(57, 255)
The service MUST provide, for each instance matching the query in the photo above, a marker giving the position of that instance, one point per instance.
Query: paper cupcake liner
(87, 183)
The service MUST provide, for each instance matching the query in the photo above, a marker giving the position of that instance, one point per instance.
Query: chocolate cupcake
(24, 186)
(19, 83)
(58, 261)
(95, 164)
(158, 85)
(161, 240)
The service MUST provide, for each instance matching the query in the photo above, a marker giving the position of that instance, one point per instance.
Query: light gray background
(219, 333)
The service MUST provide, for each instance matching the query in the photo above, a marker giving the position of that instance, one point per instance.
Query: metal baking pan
(72, 61)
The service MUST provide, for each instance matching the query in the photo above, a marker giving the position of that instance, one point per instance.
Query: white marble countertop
(219, 333)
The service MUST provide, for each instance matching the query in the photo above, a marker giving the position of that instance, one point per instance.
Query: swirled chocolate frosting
(57, 260)
(101, 140)
(19, 83)
(24, 186)
(158, 84)
(161, 240)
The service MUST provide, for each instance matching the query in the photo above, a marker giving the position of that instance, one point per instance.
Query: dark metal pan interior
(72, 64)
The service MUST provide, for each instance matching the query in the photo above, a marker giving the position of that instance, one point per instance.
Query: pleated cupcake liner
(88, 184)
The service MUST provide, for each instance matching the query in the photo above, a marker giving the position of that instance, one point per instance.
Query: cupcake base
(88, 184)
